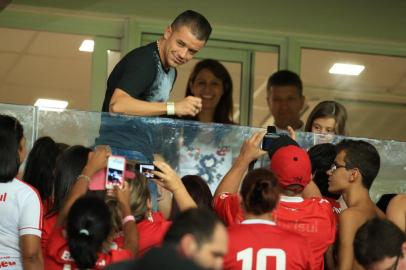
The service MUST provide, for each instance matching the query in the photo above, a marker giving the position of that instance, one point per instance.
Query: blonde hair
(138, 201)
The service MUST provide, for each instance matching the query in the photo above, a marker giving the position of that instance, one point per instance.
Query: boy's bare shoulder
(356, 216)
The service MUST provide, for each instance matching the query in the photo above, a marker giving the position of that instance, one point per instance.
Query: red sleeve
(47, 228)
(56, 242)
(57, 253)
(227, 207)
(151, 232)
(117, 256)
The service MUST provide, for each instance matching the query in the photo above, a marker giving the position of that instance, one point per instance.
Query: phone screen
(115, 172)
(146, 170)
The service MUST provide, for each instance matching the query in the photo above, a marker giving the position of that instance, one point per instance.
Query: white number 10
(246, 257)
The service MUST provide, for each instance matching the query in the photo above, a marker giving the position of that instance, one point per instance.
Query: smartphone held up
(146, 169)
(115, 172)
(270, 136)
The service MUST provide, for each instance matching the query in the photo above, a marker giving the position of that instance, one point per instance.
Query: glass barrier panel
(26, 116)
(189, 147)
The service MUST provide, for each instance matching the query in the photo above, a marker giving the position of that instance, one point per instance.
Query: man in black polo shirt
(140, 85)
(141, 82)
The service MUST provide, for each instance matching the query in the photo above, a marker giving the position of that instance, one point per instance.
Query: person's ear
(354, 174)
(403, 248)
(268, 101)
(168, 32)
(188, 245)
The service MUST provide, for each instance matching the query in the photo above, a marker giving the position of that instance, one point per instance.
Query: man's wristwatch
(170, 108)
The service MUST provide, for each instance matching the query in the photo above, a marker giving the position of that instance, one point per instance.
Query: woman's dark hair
(259, 191)
(224, 110)
(11, 135)
(198, 190)
(331, 109)
(88, 225)
(68, 166)
(40, 166)
(321, 157)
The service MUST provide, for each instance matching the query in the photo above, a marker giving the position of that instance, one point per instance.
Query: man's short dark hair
(200, 222)
(198, 24)
(376, 240)
(363, 156)
(285, 78)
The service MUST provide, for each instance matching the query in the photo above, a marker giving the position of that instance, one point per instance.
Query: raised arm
(129, 228)
(168, 179)
(250, 151)
(97, 161)
(122, 102)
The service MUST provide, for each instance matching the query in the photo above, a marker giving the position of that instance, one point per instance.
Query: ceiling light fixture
(346, 69)
(87, 45)
(51, 104)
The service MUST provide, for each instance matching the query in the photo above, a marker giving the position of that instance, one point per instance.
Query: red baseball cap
(291, 165)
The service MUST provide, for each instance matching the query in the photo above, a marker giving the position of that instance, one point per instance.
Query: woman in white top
(206, 150)
(20, 206)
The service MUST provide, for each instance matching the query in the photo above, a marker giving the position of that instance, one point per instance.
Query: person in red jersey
(68, 166)
(82, 235)
(197, 239)
(312, 217)
(258, 242)
(151, 226)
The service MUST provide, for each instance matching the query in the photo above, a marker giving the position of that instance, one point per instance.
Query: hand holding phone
(115, 172)
(166, 176)
(97, 159)
(123, 195)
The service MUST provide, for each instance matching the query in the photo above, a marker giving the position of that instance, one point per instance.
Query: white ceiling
(41, 64)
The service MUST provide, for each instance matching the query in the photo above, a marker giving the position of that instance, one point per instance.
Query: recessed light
(51, 104)
(87, 45)
(346, 69)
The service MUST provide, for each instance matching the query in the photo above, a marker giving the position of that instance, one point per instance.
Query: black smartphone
(269, 137)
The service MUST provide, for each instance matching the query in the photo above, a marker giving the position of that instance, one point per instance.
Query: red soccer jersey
(313, 218)
(47, 228)
(58, 255)
(260, 244)
(150, 232)
(227, 208)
